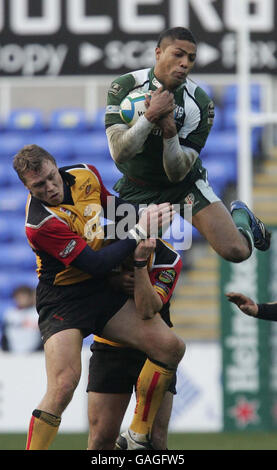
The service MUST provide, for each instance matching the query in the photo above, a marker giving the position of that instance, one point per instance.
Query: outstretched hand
(156, 217)
(245, 304)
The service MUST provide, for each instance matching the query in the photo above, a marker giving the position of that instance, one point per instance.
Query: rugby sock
(242, 221)
(42, 430)
(152, 384)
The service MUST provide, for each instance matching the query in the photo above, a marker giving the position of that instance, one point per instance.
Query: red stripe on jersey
(30, 433)
(168, 288)
(53, 237)
(149, 395)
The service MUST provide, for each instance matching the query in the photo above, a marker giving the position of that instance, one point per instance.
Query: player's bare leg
(105, 413)
(215, 223)
(164, 350)
(160, 427)
(63, 368)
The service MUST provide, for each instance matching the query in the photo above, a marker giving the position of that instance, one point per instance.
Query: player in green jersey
(159, 155)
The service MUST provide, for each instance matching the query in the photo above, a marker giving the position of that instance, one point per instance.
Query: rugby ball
(132, 107)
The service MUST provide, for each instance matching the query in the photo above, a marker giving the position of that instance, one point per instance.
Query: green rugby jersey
(193, 116)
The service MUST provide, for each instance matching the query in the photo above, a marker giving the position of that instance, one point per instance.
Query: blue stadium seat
(90, 147)
(230, 116)
(13, 278)
(25, 120)
(17, 228)
(98, 120)
(221, 143)
(68, 119)
(8, 176)
(5, 233)
(13, 200)
(230, 95)
(217, 124)
(57, 144)
(17, 255)
(108, 171)
(11, 143)
(223, 169)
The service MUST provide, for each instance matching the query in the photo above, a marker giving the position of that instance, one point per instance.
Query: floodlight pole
(244, 161)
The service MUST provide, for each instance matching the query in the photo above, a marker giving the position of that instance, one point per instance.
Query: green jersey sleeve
(199, 115)
(119, 88)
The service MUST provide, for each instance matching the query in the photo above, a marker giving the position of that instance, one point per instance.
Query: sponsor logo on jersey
(66, 211)
(167, 276)
(189, 199)
(68, 249)
(156, 83)
(115, 89)
(112, 109)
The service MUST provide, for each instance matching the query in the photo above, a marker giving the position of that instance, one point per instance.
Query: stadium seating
(11, 143)
(90, 147)
(69, 120)
(98, 120)
(25, 120)
(13, 200)
(230, 95)
(16, 254)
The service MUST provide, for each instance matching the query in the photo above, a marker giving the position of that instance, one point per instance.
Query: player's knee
(101, 437)
(236, 253)
(175, 349)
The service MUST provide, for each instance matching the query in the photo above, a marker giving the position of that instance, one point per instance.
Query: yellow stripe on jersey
(160, 291)
(107, 341)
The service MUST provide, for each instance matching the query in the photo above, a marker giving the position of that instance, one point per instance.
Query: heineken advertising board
(249, 345)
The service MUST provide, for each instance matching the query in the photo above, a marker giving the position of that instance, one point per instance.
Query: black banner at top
(92, 37)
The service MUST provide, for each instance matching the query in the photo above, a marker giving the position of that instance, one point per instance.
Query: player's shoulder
(165, 254)
(78, 171)
(198, 93)
(37, 213)
(125, 84)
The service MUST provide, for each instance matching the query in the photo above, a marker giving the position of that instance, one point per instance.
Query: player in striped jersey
(114, 369)
(74, 297)
(159, 155)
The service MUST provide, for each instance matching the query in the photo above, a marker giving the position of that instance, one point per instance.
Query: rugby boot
(126, 442)
(260, 234)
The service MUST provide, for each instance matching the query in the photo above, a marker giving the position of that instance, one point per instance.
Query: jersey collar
(155, 83)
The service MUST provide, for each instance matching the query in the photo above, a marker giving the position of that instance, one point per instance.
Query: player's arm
(267, 311)
(147, 300)
(56, 239)
(178, 159)
(125, 142)
(181, 151)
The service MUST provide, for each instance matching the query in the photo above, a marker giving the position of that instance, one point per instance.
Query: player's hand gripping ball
(132, 107)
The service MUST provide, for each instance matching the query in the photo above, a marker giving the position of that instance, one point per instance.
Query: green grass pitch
(189, 441)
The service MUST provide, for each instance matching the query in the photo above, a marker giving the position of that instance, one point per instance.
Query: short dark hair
(178, 32)
(30, 157)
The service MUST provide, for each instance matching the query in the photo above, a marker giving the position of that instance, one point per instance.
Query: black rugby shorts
(115, 369)
(86, 306)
